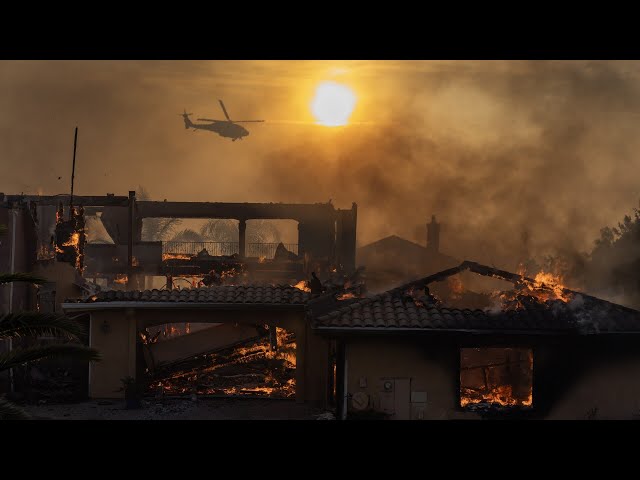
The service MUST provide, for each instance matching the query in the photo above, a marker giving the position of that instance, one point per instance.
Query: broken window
(496, 377)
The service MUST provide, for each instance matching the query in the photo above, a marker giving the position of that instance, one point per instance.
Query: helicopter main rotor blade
(211, 120)
(224, 110)
(247, 121)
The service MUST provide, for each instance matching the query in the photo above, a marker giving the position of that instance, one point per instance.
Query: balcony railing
(193, 248)
(266, 250)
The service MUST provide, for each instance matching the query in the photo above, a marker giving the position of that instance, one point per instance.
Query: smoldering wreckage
(304, 322)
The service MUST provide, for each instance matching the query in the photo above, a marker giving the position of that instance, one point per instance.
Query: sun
(333, 104)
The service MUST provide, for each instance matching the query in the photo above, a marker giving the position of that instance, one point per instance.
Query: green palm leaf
(13, 325)
(21, 277)
(9, 411)
(31, 354)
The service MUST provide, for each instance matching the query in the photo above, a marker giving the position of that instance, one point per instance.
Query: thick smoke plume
(516, 159)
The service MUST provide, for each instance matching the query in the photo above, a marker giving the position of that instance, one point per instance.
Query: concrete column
(242, 238)
(113, 334)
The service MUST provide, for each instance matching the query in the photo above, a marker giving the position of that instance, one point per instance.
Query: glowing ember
(262, 259)
(45, 252)
(498, 394)
(455, 286)
(346, 296)
(411, 292)
(496, 376)
(121, 278)
(175, 256)
(302, 285)
(232, 272)
(252, 369)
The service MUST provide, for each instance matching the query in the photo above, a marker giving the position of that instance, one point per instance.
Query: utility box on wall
(418, 405)
(394, 396)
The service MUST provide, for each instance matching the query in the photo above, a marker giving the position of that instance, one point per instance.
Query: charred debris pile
(253, 368)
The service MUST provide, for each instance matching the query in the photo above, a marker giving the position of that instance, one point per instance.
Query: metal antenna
(73, 169)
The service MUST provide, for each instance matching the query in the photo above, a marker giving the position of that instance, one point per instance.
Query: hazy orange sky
(493, 148)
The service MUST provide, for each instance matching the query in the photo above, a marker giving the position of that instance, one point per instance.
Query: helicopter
(224, 128)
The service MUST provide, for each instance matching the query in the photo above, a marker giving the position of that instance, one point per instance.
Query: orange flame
(302, 285)
(121, 278)
(232, 272)
(498, 394)
(262, 259)
(346, 296)
(74, 241)
(545, 287)
(456, 286)
(175, 256)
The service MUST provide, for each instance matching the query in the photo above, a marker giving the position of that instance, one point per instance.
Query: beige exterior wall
(595, 380)
(425, 374)
(63, 274)
(610, 391)
(118, 349)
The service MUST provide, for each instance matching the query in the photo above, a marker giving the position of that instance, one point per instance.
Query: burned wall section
(574, 377)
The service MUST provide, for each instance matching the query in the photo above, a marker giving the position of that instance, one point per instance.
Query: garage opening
(220, 360)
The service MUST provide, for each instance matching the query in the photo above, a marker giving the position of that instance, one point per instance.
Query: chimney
(433, 235)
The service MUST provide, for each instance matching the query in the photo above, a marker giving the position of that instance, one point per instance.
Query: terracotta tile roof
(263, 294)
(395, 310)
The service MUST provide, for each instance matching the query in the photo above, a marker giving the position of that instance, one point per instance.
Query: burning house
(296, 322)
(238, 316)
(52, 236)
(538, 350)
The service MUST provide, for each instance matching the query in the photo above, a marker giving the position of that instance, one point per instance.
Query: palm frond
(21, 277)
(9, 411)
(31, 354)
(166, 226)
(13, 325)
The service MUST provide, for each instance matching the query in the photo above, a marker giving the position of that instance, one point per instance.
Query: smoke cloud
(516, 159)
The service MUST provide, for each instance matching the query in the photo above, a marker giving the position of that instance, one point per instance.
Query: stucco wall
(63, 275)
(427, 370)
(594, 377)
(118, 349)
(610, 392)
